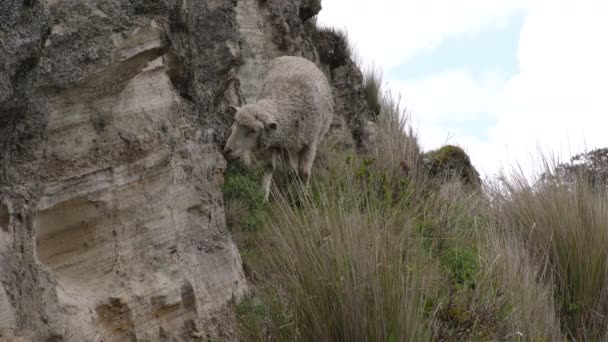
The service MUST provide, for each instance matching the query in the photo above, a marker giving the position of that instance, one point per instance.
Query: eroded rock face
(112, 116)
(117, 231)
(347, 82)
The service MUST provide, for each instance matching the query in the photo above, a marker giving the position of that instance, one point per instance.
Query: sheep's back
(302, 95)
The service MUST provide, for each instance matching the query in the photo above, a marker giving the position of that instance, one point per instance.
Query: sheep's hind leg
(269, 167)
(306, 159)
(290, 159)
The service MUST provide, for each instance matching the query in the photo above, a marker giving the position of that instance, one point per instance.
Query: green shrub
(460, 263)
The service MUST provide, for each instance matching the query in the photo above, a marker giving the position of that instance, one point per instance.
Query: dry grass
(515, 275)
(348, 266)
(396, 144)
(564, 229)
(339, 262)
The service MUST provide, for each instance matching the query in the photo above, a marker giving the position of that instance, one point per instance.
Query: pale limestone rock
(256, 49)
(126, 241)
(124, 229)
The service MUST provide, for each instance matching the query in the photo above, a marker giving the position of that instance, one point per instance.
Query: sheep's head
(250, 125)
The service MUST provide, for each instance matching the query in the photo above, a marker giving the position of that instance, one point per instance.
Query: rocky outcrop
(112, 113)
(450, 163)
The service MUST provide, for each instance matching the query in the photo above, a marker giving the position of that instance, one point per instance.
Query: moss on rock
(451, 161)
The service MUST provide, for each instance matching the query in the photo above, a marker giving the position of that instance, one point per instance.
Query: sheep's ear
(234, 108)
(272, 125)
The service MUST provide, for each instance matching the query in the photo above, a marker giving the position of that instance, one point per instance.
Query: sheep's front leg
(293, 160)
(306, 159)
(269, 165)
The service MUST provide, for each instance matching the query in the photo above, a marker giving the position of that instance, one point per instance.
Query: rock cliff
(112, 115)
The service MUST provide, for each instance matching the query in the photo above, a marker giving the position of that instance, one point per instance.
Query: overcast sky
(501, 78)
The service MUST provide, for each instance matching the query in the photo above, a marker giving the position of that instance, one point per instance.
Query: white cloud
(389, 32)
(556, 101)
(452, 96)
(558, 98)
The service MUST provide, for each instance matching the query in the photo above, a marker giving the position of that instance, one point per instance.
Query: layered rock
(117, 231)
(112, 116)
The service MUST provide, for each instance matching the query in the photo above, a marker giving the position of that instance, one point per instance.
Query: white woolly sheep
(292, 114)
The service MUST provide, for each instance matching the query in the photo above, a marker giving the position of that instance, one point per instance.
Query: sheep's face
(242, 138)
(245, 132)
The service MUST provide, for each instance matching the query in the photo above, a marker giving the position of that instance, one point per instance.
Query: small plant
(249, 313)
(460, 264)
(244, 199)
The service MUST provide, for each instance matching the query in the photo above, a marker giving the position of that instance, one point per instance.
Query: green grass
(244, 198)
(460, 264)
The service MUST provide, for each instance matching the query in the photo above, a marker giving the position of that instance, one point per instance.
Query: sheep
(292, 113)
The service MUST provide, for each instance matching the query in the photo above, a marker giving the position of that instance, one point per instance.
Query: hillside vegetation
(378, 250)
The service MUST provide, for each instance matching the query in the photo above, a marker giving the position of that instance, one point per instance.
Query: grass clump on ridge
(372, 89)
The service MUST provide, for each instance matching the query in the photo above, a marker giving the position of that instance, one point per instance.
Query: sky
(504, 79)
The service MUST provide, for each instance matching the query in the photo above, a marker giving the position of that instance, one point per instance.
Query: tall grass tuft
(347, 264)
(395, 146)
(563, 229)
(396, 149)
(372, 88)
(516, 277)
